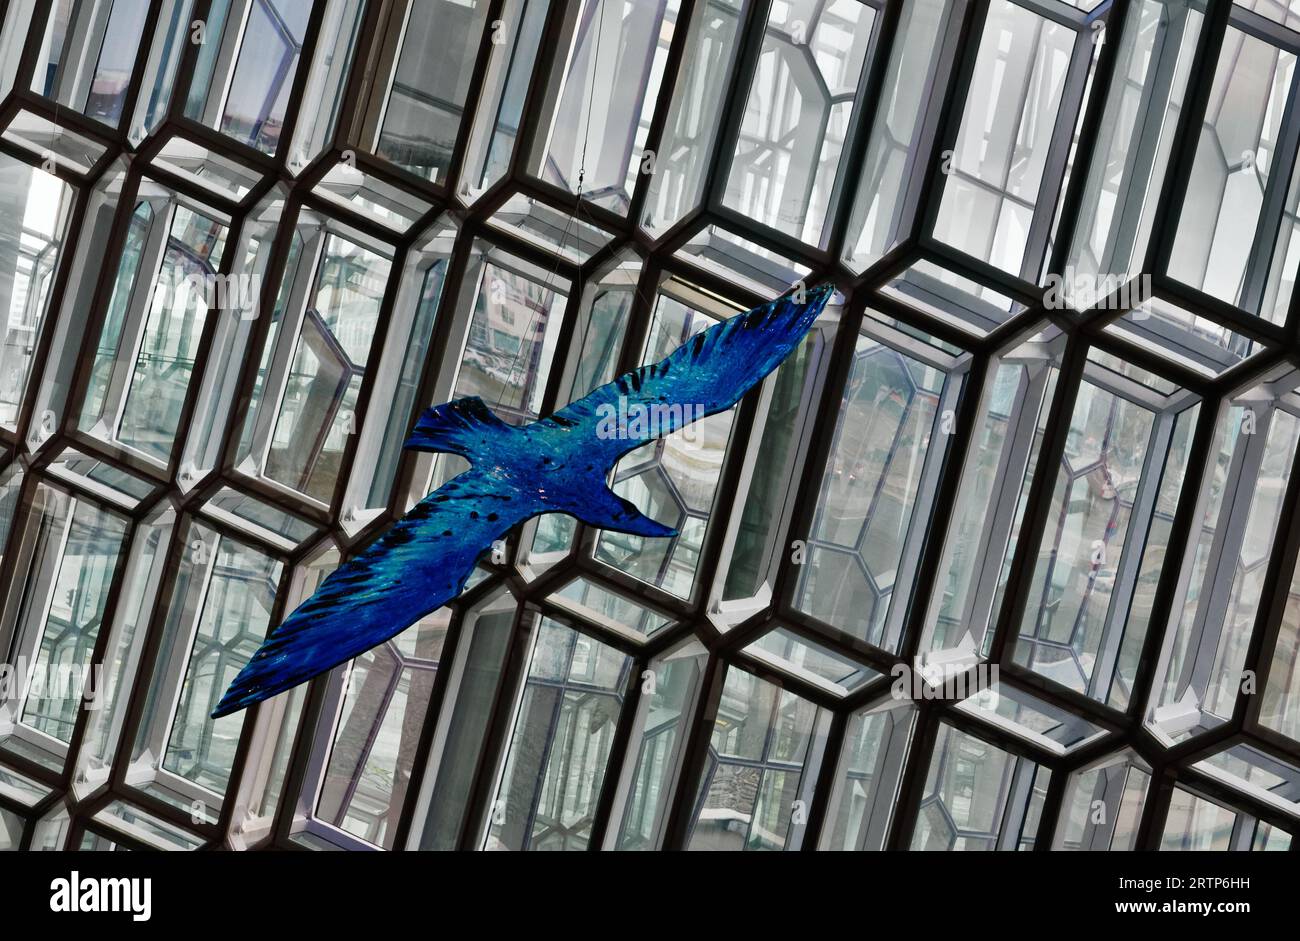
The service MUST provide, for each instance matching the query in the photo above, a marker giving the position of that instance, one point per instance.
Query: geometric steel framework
(1047, 423)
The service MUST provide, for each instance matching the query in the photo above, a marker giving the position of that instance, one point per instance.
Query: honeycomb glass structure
(1003, 557)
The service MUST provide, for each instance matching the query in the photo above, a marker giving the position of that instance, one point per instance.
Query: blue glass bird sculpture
(559, 464)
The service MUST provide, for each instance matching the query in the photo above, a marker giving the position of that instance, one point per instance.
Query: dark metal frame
(661, 259)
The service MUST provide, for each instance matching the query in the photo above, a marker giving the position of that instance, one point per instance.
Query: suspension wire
(576, 290)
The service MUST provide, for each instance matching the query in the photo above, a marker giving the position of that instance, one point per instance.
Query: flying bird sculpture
(559, 464)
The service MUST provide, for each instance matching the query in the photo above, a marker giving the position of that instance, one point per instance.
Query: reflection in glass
(786, 165)
(316, 361)
(1222, 585)
(88, 54)
(1102, 806)
(219, 614)
(607, 93)
(71, 550)
(876, 743)
(1108, 491)
(426, 96)
(998, 197)
(164, 292)
(564, 729)
(977, 796)
(246, 68)
(34, 208)
(385, 701)
(866, 533)
(762, 763)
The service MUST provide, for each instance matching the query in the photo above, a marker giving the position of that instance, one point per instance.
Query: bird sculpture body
(559, 464)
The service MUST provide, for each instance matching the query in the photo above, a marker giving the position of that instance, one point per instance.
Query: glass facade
(1000, 558)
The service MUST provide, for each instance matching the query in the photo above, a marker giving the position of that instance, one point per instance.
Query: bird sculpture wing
(414, 568)
(707, 374)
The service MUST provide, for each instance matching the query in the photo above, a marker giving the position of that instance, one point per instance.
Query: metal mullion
(695, 745)
(1125, 387)
(787, 682)
(252, 717)
(670, 80)
(571, 204)
(863, 112)
(75, 230)
(424, 739)
(474, 98)
(1000, 737)
(134, 698)
(982, 273)
(1145, 359)
(567, 349)
(586, 564)
(1109, 70)
(148, 278)
(551, 58)
(361, 407)
(920, 753)
(1077, 92)
(1018, 793)
(631, 716)
(890, 759)
(287, 337)
(1256, 329)
(229, 147)
(64, 117)
(969, 31)
(1146, 138)
(1265, 29)
(684, 270)
(1273, 208)
(770, 237)
(996, 545)
(1183, 534)
(427, 382)
(744, 429)
(1238, 801)
(309, 757)
(1210, 622)
(25, 71)
(165, 177)
(1134, 553)
(827, 781)
(1182, 153)
(135, 82)
(22, 155)
(207, 339)
(369, 82)
(751, 34)
(385, 701)
(101, 297)
(351, 217)
(1267, 624)
(510, 684)
(1038, 501)
(640, 318)
(923, 512)
(227, 59)
(107, 622)
(578, 623)
(511, 244)
(820, 443)
(920, 319)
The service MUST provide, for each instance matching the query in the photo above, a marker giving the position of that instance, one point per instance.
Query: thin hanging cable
(526, 341)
